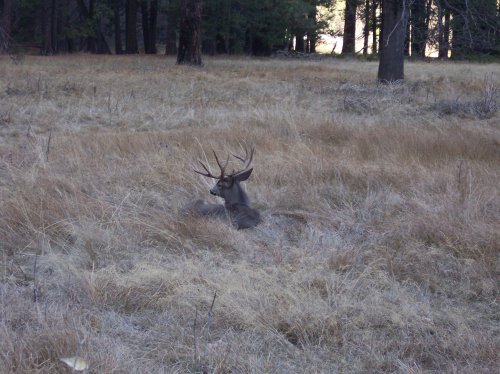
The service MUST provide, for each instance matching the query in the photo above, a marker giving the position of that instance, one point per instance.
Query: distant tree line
(462, 28)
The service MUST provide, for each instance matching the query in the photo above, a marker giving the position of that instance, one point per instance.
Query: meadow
(378, 250)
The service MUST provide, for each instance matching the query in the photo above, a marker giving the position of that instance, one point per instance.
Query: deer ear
(243, 176)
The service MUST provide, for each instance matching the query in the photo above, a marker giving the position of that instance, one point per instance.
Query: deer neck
(237, 197)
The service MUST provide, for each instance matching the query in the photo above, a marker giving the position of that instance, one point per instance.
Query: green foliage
(255, 26)
(87, 27)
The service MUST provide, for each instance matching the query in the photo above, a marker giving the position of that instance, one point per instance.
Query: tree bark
(118, 28)
(170, 31)
(444, 42)
(366, 29)
(149, 12)
(7, 25)
(145, 26)
(102, 44)
(312, 35)
(89, 14)
(153, 21)
(374, 27)
(419, 31)
(47, 27)
(130, 27)
(394, 18)
(299, 41)
(189, 51)
(349, 42)
(407, 40)
(43, 27)
(53, 26)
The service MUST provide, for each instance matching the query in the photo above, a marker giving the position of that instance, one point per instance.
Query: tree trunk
(311, 42)
(43, 26)
(407, 40)
(153, 21)
(5, 38)
(102, 44)
(145, 26)
(299, 41)
(130, 27)
(349, 42)
(394, 18)
(171, 36)
(89, 14)
(189, 51)
(419, 30)
(118, 28)
(149, 12)
(249, 42)
(53, 26)
(312, 35)
(47, 20)
(444, 45)
(366, 29)
(374, 27)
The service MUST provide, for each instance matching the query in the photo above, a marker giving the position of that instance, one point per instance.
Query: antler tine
(222, 168)
(207, 172)
(247, 164)
(241, 158)
(247, 160)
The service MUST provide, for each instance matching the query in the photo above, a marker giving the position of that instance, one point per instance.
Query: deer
(236, 203)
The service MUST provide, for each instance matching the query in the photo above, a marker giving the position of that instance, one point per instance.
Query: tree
(419, 26)
(172, 23)
(442, 31)
(48, 21)
(189, 51)
(149, 12)
(130, 27)
(302, 22)
(366, 28)
(6, 25)
(117, 26)
(217, 24)
(475, 26)
(374, 25)
(349, 43)
(91, 27)
(394, 18)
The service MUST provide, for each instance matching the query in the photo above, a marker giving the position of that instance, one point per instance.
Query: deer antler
(247, 160)
(208, 173)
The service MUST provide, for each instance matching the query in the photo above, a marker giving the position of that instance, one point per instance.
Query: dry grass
(380, 240)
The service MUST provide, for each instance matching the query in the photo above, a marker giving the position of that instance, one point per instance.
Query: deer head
(228, 185)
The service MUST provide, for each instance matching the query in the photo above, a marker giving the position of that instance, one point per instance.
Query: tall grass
(378, 250)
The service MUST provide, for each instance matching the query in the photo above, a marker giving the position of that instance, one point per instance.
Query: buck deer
(236, 203)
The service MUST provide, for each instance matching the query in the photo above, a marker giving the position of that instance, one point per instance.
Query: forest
(450, 28)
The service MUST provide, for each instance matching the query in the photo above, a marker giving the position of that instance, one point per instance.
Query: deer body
(236, 203)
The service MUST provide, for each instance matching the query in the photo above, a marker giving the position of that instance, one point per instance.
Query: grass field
(378, 250)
